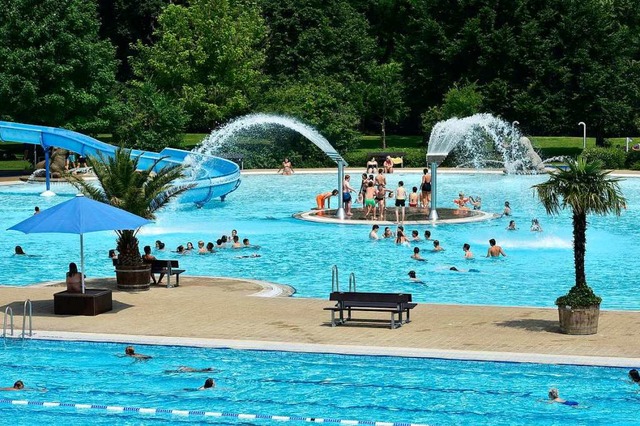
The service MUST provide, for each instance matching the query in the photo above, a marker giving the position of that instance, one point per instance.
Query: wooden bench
(167, 267)
(396, 157)
(394, 303)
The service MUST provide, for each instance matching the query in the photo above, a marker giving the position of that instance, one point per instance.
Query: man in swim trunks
(494, 250)
(325, 196)
(401, 198)
(416, 254)
(413, 197)
(346, 195)
(381, 179)
(467, 251)
(369, 201)
(381, 201)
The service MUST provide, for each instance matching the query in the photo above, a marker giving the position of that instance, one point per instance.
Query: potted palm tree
(141, 192)
(586, 189)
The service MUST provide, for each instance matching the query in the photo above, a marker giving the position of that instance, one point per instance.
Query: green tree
(55, 70)
(311, 38)
(384, 96)
(124, 23)
(458, 102)
(585, 189)
(141, 192)
(147, 119)
(209, 57)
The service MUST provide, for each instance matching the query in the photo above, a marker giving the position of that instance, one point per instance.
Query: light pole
(515, 123)
(628, 140)
(584, 134)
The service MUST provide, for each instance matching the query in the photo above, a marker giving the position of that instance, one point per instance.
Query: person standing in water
(347, 189)
(425, 188)
(401, 199)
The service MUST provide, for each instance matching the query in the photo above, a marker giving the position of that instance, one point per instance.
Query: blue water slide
(213, 176)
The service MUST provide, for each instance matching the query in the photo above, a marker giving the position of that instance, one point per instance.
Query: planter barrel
(133, 278)
(579, 320)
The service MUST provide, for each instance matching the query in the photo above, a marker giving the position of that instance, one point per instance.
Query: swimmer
(400, 238)
(159, 245)
(36, 210)
(388, 233)
(130, 351)
(18, 385)
(495, 250)
(201, 248)
(184, 369)
(476, 202)
(415, 236)
(512, 226)
(416, 254)
(437, 246)
(248, 256)
(427, 235)
(18, 250)
(210, 247)
(453, 268)
(634, 376)
(373, 235)
(461, 201)
(413, 278)
(535, 226)
(554, 396)
(236, 242)
(369, 200)
(467, 251)
(414, 197)
(208, 384)
(507, 209)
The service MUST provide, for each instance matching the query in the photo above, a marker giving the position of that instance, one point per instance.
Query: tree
(384, 96)
(209, 57)
(147, 119)
(55, 70)
(586, 189)
(141, 192)
(458, 102)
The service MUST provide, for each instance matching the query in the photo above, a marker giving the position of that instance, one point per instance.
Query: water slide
(213, 176)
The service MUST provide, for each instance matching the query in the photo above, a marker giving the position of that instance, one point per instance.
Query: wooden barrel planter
(579, 320)
(133, 278)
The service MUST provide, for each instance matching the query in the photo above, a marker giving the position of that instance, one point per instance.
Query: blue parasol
(79, 216)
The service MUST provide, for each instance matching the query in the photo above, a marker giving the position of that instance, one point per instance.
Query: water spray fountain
(265, 122)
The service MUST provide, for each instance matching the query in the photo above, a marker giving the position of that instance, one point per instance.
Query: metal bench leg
(333, 318)
(393, 320)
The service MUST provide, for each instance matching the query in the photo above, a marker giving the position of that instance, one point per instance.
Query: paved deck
(216, 308)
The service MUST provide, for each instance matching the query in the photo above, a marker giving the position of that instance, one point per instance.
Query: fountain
(481, 140)
(221, 138)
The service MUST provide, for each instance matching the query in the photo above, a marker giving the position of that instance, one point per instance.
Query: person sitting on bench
(74, 279)
(148, 259)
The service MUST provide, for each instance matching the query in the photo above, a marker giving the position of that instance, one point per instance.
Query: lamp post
(584, 134)
(516, 122)
(628, 140)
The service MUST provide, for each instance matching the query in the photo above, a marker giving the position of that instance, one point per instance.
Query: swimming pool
(269, 383)
(539, 266)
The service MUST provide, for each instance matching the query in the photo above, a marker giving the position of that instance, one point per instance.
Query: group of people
(387, 165)
(373, 194)
(535, 226)
(225, 241)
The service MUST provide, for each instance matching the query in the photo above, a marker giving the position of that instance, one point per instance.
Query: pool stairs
(8, 314)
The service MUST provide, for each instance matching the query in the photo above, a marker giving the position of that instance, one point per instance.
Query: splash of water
(220, 139)
(484, 140)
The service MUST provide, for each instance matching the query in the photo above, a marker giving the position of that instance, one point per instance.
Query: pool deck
(223, 312)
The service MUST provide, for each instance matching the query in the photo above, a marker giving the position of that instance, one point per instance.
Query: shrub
(633, 158)
(611, 158)
(580, 296)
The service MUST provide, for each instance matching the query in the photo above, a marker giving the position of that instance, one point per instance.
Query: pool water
(538, 268)
(346, 387)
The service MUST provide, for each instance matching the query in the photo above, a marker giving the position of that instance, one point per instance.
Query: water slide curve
(213, 176)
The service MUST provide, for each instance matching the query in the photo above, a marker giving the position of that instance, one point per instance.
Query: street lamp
(515, 123)
(584, 134)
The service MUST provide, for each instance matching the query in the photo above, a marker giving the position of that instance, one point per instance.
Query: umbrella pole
(82, 261)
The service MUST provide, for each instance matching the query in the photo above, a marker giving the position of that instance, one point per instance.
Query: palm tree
(141, 192)
(586, 189)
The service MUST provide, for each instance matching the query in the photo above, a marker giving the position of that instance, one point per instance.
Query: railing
(8, 311)
(27, 303)
(352, 282)
(335, 285)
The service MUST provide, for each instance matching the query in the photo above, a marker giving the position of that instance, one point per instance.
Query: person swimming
(208, 384)
(554, 396)
(131, 352)
(634, 376)
(453, 268)
(414, 279)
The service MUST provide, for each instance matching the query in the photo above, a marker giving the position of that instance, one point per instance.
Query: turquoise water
(539, 266)
(365, 388)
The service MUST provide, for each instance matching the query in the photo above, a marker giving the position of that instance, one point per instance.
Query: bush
(580, 296)
(633, 158)
(611, 158)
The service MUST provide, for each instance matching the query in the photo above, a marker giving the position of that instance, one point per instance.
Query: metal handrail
(352, 282)
(335, 285)
(27, 303)
(8, 311)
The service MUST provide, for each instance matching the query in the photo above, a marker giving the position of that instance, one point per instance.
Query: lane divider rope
(121, 409)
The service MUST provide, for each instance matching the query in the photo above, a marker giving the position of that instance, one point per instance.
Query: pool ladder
(335, 284)
(8, 314)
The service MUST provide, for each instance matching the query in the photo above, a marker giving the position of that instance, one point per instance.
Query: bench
(396, 157)
(91, 303)
(393, 303)
(167, 267)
